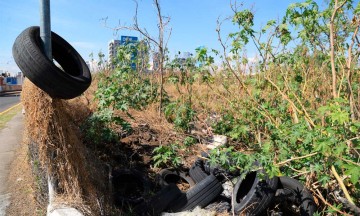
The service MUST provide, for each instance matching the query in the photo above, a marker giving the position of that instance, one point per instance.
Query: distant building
(11, 83)
(186, 55)
(94, 66)
(181, 59)
(5, 73)
(114, 44)
(20, 78)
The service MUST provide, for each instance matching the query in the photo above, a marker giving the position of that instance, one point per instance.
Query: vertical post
(45, 35)
(45, 27)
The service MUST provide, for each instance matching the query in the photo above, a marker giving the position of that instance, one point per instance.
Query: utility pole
(45, 27)
(45, 35)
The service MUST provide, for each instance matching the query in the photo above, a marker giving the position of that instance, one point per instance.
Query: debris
(217, 140)
(197, 211)
(228, 189)
(63, 211)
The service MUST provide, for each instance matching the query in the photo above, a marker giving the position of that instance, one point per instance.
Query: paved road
(10, 138)
(8, 101)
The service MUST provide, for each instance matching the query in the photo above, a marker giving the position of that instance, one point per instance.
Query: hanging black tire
(293, 198)
(200, 195)
(159, 202)
(252, 195)
(167, 176)
(66, 83)
(197, 172)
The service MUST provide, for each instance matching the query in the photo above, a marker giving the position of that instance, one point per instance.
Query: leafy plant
(284, 111)
(96, 129)
(277, 109)
(125, 88)
(166, 156)
(189, 141)
(233, 128)
(180, 114)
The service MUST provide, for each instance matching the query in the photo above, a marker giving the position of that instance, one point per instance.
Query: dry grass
(49, 123)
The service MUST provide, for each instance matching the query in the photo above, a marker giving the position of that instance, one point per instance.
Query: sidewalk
(10, 138)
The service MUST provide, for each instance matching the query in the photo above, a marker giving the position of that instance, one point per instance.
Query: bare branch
(157, 43)
(242, 84)
(332, 45)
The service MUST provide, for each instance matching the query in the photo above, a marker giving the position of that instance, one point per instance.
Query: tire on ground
(200, 195)
(66, 83)
(252, 195)
(159, 202)
(197, 172)
(291, 193)
(167, 176)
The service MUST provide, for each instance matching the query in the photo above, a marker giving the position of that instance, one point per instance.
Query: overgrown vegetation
(296, 111)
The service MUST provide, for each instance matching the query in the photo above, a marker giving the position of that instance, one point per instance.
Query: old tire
(200, 195)
(68, 83)
(159, 202)
(252, 195)
(167, 176)
(294, 198)
(197, 172)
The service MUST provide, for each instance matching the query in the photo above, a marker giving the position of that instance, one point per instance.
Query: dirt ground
(22, 186)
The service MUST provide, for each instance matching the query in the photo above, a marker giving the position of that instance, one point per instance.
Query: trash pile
(252, 193)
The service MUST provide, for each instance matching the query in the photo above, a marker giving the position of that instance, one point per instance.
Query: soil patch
(22, 185)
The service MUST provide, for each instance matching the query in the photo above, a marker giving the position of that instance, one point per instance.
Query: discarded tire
(293, 198)
(200, 195)
(167, 176)
(252, 195)
(197, 172)
(159, 202)
(66, 83)
(130, 186)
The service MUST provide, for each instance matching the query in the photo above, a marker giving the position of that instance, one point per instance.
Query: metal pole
(45, 34)
(45, 27)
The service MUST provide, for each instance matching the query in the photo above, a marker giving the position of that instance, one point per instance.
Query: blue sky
(193, 22)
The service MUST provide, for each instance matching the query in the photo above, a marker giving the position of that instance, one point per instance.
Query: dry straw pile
(51, 123)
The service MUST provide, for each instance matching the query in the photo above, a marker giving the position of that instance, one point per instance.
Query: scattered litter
(228, 189)
(220, 206)
(196, 212)
(217, 140)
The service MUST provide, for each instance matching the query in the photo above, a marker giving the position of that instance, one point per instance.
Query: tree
(159, 42)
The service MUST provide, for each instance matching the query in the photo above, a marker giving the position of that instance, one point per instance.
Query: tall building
(187, 55)
(114, 44)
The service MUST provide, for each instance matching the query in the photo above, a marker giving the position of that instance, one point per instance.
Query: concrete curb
(62, 211)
